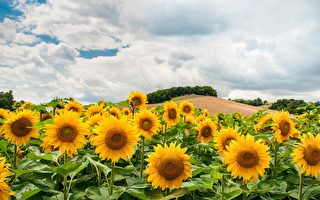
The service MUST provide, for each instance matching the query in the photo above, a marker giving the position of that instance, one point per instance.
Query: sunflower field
(64, 150)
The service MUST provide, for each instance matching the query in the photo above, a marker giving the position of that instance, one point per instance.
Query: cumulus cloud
(244, 49)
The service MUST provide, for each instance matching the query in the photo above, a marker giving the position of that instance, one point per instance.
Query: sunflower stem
(164, 134)
(276, 147)
(300, 186)
(142, 157)
(222, 187)
(15, 157)
(112, 179)
(65, 192)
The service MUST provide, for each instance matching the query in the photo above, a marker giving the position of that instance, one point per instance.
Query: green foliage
(167, 94)
(290, 105)
(255, 102)
(6, 100)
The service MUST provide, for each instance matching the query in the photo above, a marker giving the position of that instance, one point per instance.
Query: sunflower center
(206, 131)
(116, 138)
(136, 101)
(21, 127)
(172, 113)
(170, 168)
(187, 109)
(94, 113)
(67, 133)
(284, 128)
(226, 142)
(146, 124)
(75, 109)
(126, 112)
(312, 155)
(114, 114)
(247, 158)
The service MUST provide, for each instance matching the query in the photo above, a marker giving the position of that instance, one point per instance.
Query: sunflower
(126, 111)
(201, 118)
(186, 108)
(5, 191)
(262, 122)
(189, 120)
(137, 99)
(206, 130)
(114, 111)
(147, 123)
(18, 128)
(115, 139)
(74, 106)
(95, 109)
(171, 113)
(283, 126)
(307, 155)
(24, 105)
(168, 166)
(205, 112)
(4, 114)
(247, 158)
(67, 133)
(224, 137)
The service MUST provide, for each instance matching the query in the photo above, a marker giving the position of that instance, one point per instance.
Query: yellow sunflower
(189, 120)
(74, 106)
(307, 155)
(137, 99)
(18, 127)
(4, 114)
(205, 112)
(186, 108)
(95, 109)
(114, 111)
(247, 158)
(5, 191)
(171, 113)
(24, 105)
(115, 139)
(224, 137)
(147, 123)
(283, 126)
(206, 130)
(201, 118)
(264, 120)
(168, 166)
(67, 133)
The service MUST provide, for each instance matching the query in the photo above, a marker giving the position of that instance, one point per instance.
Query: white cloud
(244, 49)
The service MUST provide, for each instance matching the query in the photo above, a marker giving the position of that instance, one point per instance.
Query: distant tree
(290, 105)
(6, 100)
(255, 102)
(167, 94)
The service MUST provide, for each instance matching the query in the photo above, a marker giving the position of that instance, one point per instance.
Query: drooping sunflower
(224, 137)
(206, 130)
(262, 122)
(114, 111)
(5, 191)
(168, 166)
(67, 133)
(247, 158)
(95, 109)
(25, 105)
(186, 108)
(4, 114)
(137, 99)
(283, 126)
(205, 112)
(306, 155)
(171, 113)
(147, 123)
(74, 106)
(18, 127)
(115, 139)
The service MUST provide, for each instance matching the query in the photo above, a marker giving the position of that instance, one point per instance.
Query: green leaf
(2, 121)
(78, 196)
(198, 183)
(3, 145)
(66, 168)
(96, 193)
(42, 124)
(216, 176)
(175, 194)
(138, 193)
(30, 193)
(312, 192)
(38, 156)
(105, 169)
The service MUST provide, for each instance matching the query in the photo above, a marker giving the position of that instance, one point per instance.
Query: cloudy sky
(95, 49)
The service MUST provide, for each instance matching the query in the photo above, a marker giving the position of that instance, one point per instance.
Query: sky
(93, 50)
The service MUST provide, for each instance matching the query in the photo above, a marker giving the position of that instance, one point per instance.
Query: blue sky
(95, 49)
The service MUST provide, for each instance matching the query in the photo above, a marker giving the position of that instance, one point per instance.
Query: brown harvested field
(218, 105)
